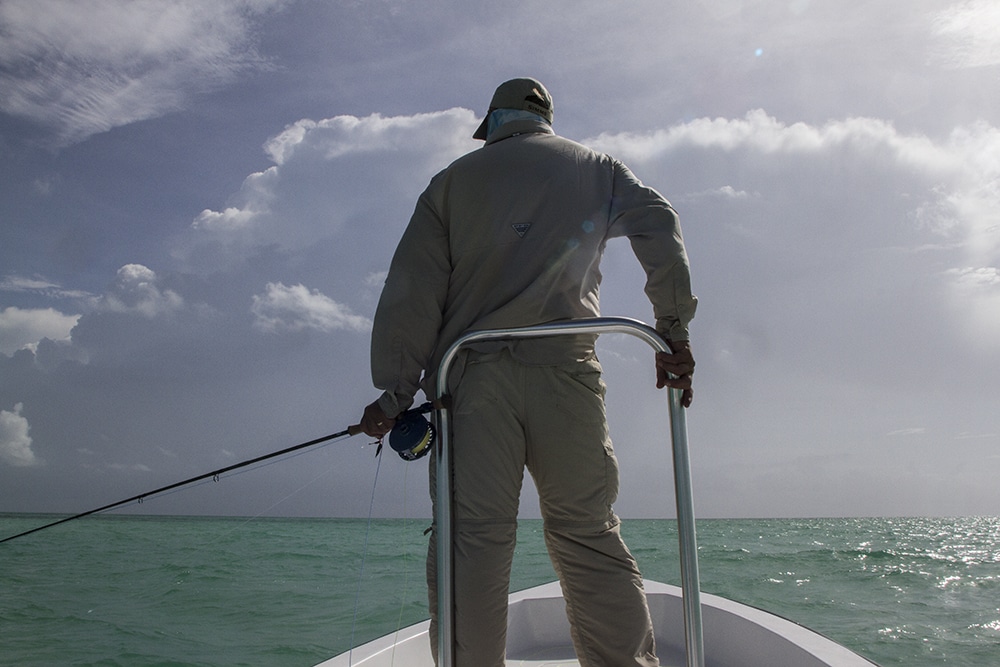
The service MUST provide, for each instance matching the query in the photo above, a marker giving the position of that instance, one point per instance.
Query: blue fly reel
(412, 436)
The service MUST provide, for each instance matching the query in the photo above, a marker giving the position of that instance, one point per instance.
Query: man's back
(512, 235)
(526, 219)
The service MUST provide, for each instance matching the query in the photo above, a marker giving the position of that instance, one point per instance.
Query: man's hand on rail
(675, 370)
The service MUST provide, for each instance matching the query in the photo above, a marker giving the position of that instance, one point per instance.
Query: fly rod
(411, 437)
(350, 430)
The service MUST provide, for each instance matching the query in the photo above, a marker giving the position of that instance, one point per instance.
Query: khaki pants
(507, 416)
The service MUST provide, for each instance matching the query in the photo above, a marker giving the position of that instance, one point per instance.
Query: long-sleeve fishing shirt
(512, 235)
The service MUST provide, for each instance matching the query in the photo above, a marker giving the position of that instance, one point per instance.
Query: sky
(199, 203)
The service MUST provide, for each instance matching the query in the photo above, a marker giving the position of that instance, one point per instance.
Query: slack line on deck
(409, 443)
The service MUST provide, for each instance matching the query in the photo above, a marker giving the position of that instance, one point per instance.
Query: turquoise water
(145, 591)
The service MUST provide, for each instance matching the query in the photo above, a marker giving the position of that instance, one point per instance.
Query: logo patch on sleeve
(521, 228)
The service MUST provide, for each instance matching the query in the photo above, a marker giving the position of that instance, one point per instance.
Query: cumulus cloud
(333, 172)
(296, 308)
(135, 290)
(15, 443)
(440, 132)
(26, 327)
(951, 184)
(919, 194)
(764, 133)
(234, 218)
(84, 67)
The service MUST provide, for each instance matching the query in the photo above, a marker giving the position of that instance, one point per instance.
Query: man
(512, 235)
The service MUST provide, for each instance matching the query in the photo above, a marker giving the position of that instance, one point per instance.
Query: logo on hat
(521, 228)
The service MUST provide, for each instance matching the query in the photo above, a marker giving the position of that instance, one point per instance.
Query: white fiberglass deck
(691, 630)
(538, 636)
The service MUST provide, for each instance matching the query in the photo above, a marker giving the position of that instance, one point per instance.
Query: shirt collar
(522, 126)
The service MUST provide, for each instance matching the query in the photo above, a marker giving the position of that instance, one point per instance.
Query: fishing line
(288, 495)
(264, 464)
(406, 569)
(364, 558)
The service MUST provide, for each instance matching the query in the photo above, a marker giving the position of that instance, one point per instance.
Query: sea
(134, 591)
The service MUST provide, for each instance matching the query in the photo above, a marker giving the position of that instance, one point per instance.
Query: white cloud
(86, 66)
(725, 193)
(296, 308)
(330, 172)
(376, 279)
(39, 285)
(939, 194)
(135, 290)
(967, 34)
(256, 195)
(15, 443)
(23, 284)
(764, 133)
(976, 197)
(25, 327)
(232, 218)
(330, 138)
(984, 278)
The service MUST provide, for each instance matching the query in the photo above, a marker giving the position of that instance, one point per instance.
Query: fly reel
(412, 436)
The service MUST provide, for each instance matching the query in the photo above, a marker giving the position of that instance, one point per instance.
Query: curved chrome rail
(682, 480)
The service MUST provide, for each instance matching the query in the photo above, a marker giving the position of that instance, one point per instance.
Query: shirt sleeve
(410, 310)
(652, 226)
